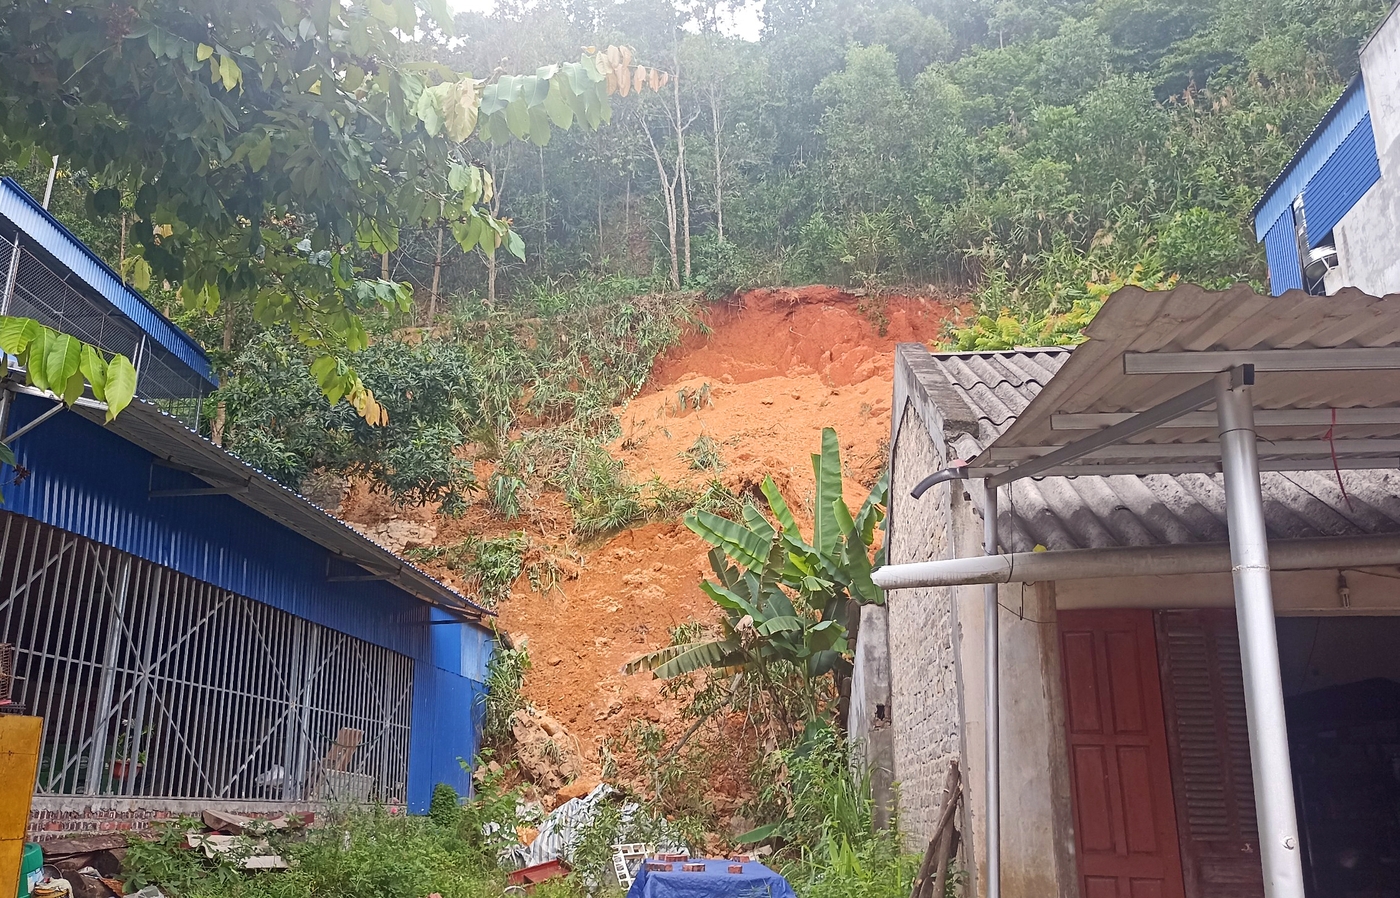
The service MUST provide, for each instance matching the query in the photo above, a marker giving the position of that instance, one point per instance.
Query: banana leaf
(730, 601)
(757, 522)
(778, 505)
(676, 660)
(742, 544)
(780, 624)
(827, 468)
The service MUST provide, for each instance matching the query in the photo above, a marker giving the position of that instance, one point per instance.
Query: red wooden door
(1208, 738)
(1124, 817)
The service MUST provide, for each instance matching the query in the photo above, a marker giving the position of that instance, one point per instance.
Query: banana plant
(835, 565)
(760, 569)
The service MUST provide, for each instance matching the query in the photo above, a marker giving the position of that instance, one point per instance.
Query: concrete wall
(1368, 235)
(868, 719)
(1037, 835)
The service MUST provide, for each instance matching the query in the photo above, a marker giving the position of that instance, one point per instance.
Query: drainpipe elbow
(955, 471)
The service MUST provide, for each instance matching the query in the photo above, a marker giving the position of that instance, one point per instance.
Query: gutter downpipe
(1254, 608)
(992, 708)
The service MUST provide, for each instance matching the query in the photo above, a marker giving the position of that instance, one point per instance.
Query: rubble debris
(547, 754)
(531, 876)
(251, 855)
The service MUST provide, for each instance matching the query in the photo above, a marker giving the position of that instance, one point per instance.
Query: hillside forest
(478, 282)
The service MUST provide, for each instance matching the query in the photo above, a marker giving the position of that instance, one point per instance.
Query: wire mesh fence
(154, 684)
(32, 289)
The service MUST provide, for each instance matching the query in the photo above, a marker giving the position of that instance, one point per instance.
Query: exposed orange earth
(774, 368)
(780, 365)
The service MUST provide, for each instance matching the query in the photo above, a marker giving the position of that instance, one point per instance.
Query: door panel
(1124, 815)
(1208, 740)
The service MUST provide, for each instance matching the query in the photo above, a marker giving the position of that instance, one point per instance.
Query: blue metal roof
(1343, 180)
(96, 480)
(21, 211)
(1340, 121)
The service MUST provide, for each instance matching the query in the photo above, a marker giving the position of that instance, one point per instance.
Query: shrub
(505, 677)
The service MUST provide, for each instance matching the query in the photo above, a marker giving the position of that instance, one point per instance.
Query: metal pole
(48, 191)
(107, 686)
(10, 277)
(1254, 609)
(992, 710)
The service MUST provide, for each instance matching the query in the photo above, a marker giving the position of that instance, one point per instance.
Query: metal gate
(152, 683)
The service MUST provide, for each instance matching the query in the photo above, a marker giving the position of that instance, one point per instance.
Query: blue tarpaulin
(757, 881)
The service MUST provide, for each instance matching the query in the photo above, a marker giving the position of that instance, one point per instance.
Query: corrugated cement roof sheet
(1128, 510)
(1295, 409)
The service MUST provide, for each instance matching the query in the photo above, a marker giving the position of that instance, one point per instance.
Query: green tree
(268, 147)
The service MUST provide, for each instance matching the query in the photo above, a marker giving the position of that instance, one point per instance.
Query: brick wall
(925, 702)
(60, 816)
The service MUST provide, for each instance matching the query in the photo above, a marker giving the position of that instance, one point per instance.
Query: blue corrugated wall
(1333, 169)
(1340, 121)
(455, 688)
(89, 481)
(1281, 246)
(1342, 180)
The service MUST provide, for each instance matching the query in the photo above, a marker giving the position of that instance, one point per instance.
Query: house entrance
(1341, 679)
(1124, 820)
(1132, 675)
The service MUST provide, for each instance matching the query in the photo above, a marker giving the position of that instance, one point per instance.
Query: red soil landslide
(780, 365)
(773, 369)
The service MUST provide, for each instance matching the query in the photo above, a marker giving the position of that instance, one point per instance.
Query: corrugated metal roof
(19, 210)
(1341, 182)
(1237, 320)
(1126, 510)
(1321, 143)
(164, 437)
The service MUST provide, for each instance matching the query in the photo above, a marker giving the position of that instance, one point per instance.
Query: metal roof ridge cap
(1019, 350)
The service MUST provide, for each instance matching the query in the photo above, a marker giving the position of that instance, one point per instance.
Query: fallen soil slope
(766, 373)
(780, 365)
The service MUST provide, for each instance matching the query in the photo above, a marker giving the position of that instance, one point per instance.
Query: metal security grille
(34, 290)
(152, 683)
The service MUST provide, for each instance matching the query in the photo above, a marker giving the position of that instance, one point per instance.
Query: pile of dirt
(768, 371)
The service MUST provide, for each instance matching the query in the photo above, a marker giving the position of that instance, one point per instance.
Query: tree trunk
(544, 216)
(437, 279)
(668, 196)
(719, 170)
(121, 252)
(384, 266)
(216, 430)
(680, 126)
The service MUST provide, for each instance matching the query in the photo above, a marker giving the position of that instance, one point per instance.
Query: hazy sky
(745, 21)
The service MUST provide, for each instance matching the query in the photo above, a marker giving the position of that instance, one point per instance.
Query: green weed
(505, 677)
(703, 454)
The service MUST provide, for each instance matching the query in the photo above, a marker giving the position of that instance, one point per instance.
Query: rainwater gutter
(1319, 553)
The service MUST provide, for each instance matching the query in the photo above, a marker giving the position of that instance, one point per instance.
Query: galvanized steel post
(10, 277)
(992, 710)
(1254, 609)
